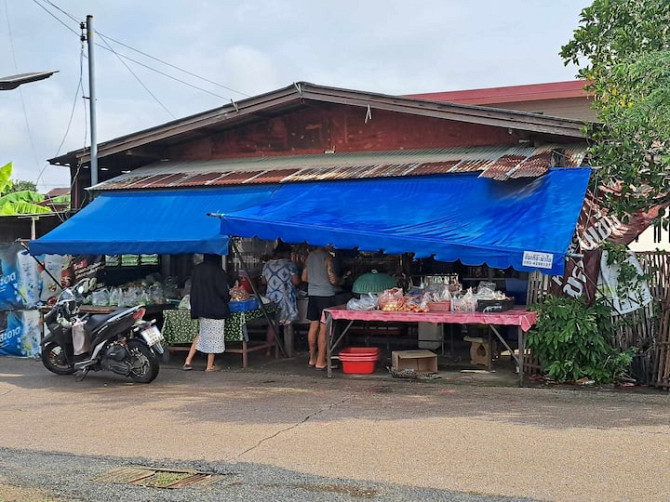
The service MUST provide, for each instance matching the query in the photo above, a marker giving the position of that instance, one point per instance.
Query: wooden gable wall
(315, 129)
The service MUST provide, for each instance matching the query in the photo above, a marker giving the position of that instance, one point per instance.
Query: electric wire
(23, 101)
(171, 65)
(64, 12)
(80, 86)
(140, 52)
(56, 17)
(163, 73)
(138, 79)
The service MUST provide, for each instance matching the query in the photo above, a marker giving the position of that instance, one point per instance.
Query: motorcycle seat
(97, 320)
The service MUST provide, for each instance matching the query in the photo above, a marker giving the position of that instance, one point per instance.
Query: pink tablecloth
(518, 316)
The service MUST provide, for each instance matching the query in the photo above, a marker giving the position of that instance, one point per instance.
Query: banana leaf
(61, 199)
(25, 202)
(5, 175)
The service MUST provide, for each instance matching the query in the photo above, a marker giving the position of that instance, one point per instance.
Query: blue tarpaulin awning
(527, 225)
(164, 222)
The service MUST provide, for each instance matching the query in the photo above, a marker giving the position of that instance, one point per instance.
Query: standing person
(280, 276)
(322, 282)
(209, 304)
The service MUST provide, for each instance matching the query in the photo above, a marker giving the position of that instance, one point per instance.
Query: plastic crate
(243, 306)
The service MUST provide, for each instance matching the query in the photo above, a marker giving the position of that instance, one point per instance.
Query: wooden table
(518, 316)
(179, 328)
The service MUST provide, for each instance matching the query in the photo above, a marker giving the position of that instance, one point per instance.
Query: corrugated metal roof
(301, 94)
(499, 162)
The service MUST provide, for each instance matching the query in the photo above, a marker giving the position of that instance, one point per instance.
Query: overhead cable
(56, 18)
(171, 65)
(137, 78)
(140, 52)
(23, 101)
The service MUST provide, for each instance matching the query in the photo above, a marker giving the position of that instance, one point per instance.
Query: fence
(648, 329)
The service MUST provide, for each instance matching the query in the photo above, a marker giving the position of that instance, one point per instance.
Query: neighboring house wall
(557, 99)
(572, 108)
(652, 239)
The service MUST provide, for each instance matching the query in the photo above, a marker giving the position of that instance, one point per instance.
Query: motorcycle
(121, 341)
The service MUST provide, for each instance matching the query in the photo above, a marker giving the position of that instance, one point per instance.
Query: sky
(223, 50)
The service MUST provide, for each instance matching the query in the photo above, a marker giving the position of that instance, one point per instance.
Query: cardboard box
(418, 360)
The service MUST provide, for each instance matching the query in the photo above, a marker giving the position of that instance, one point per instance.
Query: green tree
(21, 202)
(22, 186)
(623, 48)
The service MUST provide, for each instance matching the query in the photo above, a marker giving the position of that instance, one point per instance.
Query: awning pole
(25, 246)
(278, 345)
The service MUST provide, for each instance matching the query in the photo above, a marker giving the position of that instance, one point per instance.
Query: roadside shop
(443, 189)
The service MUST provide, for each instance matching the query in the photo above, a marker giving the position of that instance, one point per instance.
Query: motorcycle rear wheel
(144, 364)
(53, 359)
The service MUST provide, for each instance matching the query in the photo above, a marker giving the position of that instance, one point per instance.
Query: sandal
(213, 368)
(187, 367)
(324, 368)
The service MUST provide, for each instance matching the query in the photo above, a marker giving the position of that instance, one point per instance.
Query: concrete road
(558, 444)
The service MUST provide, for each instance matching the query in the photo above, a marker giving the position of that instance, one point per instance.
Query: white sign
(536, 259)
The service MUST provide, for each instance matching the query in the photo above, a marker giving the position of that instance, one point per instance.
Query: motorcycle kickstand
(82, 374)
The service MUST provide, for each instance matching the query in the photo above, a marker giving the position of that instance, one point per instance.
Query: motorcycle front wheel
(144, 364)
(53, 358)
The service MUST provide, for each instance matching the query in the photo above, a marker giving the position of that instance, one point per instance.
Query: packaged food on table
(466, 302)
(391, 300)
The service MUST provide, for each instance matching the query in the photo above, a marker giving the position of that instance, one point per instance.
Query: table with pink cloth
(517, 316)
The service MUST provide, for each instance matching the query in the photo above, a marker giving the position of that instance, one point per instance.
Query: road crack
(297, 424)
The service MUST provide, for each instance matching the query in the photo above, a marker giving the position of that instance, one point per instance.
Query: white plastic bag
(80, 343)
(365, 302)
(100, 298)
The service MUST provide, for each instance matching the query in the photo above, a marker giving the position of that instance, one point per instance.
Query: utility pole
(88, 26)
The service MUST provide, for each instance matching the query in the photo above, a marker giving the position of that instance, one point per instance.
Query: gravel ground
(44, 476)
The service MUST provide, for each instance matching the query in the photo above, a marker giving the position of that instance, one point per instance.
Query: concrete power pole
(91, 97)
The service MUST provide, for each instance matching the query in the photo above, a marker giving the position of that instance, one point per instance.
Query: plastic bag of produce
(391, 300)
(185, 303)
(100, 298)
(367, 301)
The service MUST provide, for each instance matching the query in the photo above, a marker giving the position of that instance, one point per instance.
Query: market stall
(518, 224)
(179, 328)
(518, 316)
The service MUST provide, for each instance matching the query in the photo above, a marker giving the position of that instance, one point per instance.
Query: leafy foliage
(571, 340)
(5, 177)
(22, 202)
(23, 186)
(623, 47)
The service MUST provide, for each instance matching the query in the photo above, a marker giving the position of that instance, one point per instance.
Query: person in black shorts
(322, 281)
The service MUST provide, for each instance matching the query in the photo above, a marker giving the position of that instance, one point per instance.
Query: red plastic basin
(359, 360)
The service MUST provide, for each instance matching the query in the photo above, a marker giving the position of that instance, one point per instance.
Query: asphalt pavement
(281, 431)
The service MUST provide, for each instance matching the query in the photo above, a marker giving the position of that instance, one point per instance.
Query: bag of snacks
(391, 300)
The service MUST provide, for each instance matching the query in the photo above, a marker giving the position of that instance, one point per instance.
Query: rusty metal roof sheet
(498, 162)
(301, 94)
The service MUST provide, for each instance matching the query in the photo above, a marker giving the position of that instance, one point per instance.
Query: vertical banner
(595, 226)
(20, 333)
(19, 278)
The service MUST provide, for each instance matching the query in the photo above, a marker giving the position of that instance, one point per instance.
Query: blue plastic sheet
(164, 222)
(525, 224)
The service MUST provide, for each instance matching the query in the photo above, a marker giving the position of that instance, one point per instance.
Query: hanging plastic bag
(80, 342)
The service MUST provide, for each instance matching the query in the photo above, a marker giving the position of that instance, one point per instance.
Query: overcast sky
(249, 47)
